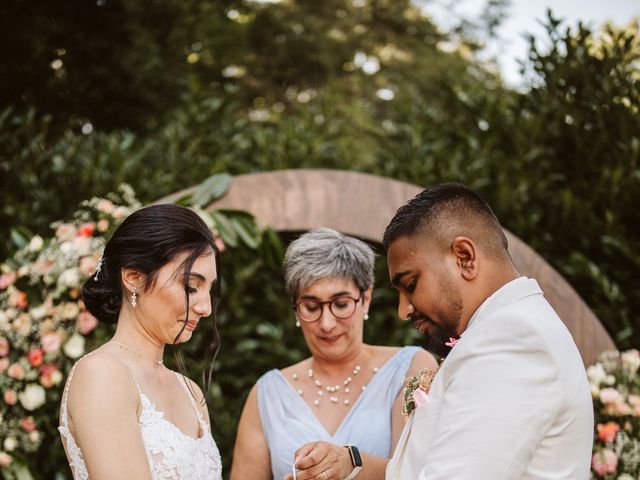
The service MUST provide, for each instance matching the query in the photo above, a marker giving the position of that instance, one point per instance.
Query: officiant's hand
(322, 461)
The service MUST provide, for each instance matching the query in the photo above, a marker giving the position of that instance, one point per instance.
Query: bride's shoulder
(101, 373)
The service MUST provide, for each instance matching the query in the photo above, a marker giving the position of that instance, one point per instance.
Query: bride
(123, 413)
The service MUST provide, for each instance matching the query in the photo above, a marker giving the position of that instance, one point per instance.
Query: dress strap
(183, 381)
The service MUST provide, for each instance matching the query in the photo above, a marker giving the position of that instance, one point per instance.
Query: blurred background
(534, 109)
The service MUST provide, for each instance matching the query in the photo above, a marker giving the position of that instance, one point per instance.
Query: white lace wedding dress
(172, 454)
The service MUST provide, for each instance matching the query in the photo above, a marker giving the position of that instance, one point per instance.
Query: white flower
(10, 444)
(34, 436)
(69, 278)
(33, 397)
(631, 361)
(39, 312)
(625, 476)
(36, 244)
(610, 380)
(74, 348)
(596, 374)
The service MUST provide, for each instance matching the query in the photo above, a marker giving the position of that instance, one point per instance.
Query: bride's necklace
(135, 350)
(333, 392)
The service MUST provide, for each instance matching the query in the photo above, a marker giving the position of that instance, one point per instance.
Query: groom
(511, 400)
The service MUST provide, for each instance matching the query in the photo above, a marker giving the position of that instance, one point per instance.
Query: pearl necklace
(157, 362)
(333, 390)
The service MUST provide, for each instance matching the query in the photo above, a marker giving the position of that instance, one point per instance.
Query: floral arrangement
(44, 326)
(416, 389)
(615, 387)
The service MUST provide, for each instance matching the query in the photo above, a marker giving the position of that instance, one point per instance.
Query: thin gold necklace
(157, 362)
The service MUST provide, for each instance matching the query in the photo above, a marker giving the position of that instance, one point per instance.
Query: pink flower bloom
(16, 371)
(4, 347)
(610, 395)
(603, 462)
(50, 375)
(5, 459)
(86, 230)
(18, 299)
(87, 265)
(103, 225)
(4, 364)
(607, 431)
(82, 245)
(7, 279)
(27, 424)
(66, 231)
(106, 206)
(420, 397)
(634, 401)
(51, 342)
(86, 322)
(35, 357)
(10, 397)
(220, 244)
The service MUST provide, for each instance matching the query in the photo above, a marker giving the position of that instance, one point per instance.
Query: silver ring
(326, 477)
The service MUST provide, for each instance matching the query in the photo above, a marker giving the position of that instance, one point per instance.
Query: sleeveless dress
(172, 454)
(289, 422)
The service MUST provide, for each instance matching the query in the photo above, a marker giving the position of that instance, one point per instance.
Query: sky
(523, 16)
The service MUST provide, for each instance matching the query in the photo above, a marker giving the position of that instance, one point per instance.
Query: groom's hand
(322, 461)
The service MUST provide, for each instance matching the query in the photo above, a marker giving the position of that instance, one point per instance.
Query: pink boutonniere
(416, 391)
(452, 342)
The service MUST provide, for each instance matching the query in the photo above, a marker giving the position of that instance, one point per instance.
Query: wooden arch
(361, 205)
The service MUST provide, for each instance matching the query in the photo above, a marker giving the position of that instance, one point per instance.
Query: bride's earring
(134, 297)
(298, 323)
(366, 317)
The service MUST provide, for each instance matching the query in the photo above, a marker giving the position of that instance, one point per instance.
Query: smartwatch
(356, 461)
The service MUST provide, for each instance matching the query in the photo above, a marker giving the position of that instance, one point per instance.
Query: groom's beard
(439, 333)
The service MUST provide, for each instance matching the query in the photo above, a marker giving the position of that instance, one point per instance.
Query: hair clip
(98, 268)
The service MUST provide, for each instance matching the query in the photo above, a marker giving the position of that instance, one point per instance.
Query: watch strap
(356, 461)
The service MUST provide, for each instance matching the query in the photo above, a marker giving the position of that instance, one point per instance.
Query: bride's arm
(103, 406)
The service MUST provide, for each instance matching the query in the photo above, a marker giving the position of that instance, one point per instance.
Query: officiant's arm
(251, 452)
(421, 360)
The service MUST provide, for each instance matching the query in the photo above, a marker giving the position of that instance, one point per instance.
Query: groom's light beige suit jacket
(511, 401)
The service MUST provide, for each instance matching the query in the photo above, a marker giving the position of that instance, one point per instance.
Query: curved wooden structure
(361, 205)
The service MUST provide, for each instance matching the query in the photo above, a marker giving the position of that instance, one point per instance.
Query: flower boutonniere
(415, 391)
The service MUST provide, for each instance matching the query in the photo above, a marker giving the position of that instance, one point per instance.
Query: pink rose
(18, 299)
(87, 265)
(603, 462)
(420, 397)
(65, 231)
(35, 357)
(634, 401)
(86, 322)
(610, 395)
(86, 230)
(16, 371)
(50, 375)
(4, 364)
(10, 397)
(51, 342)
(5, 459)
(103, 225)
(4, 347)
(7, 279)
(607, 431)
(27, 424)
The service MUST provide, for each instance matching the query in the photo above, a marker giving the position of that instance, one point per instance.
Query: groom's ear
(466, 257)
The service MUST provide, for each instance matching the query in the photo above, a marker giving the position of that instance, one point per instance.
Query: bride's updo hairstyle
(146, 241)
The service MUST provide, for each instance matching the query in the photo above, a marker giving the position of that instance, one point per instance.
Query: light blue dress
(288, 422)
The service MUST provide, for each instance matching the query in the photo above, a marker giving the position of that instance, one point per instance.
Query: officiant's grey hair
(325, 253)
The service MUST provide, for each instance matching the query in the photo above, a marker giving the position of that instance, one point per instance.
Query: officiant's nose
(327, 320)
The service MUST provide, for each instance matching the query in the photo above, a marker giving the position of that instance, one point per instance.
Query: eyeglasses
(341, 307)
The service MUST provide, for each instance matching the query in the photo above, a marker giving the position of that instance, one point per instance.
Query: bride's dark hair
(146, 241)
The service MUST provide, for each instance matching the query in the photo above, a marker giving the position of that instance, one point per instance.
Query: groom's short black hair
(444, 211)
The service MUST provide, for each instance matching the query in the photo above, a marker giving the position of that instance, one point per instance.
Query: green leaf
(225, 229)
(247, 230)
(20, 236)
(211, 189)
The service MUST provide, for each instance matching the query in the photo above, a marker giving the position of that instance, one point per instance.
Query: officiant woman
(338, 413)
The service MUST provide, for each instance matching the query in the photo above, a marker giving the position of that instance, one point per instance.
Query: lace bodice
(172, 454)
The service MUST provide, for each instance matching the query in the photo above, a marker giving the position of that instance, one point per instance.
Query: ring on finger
(326, 476)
